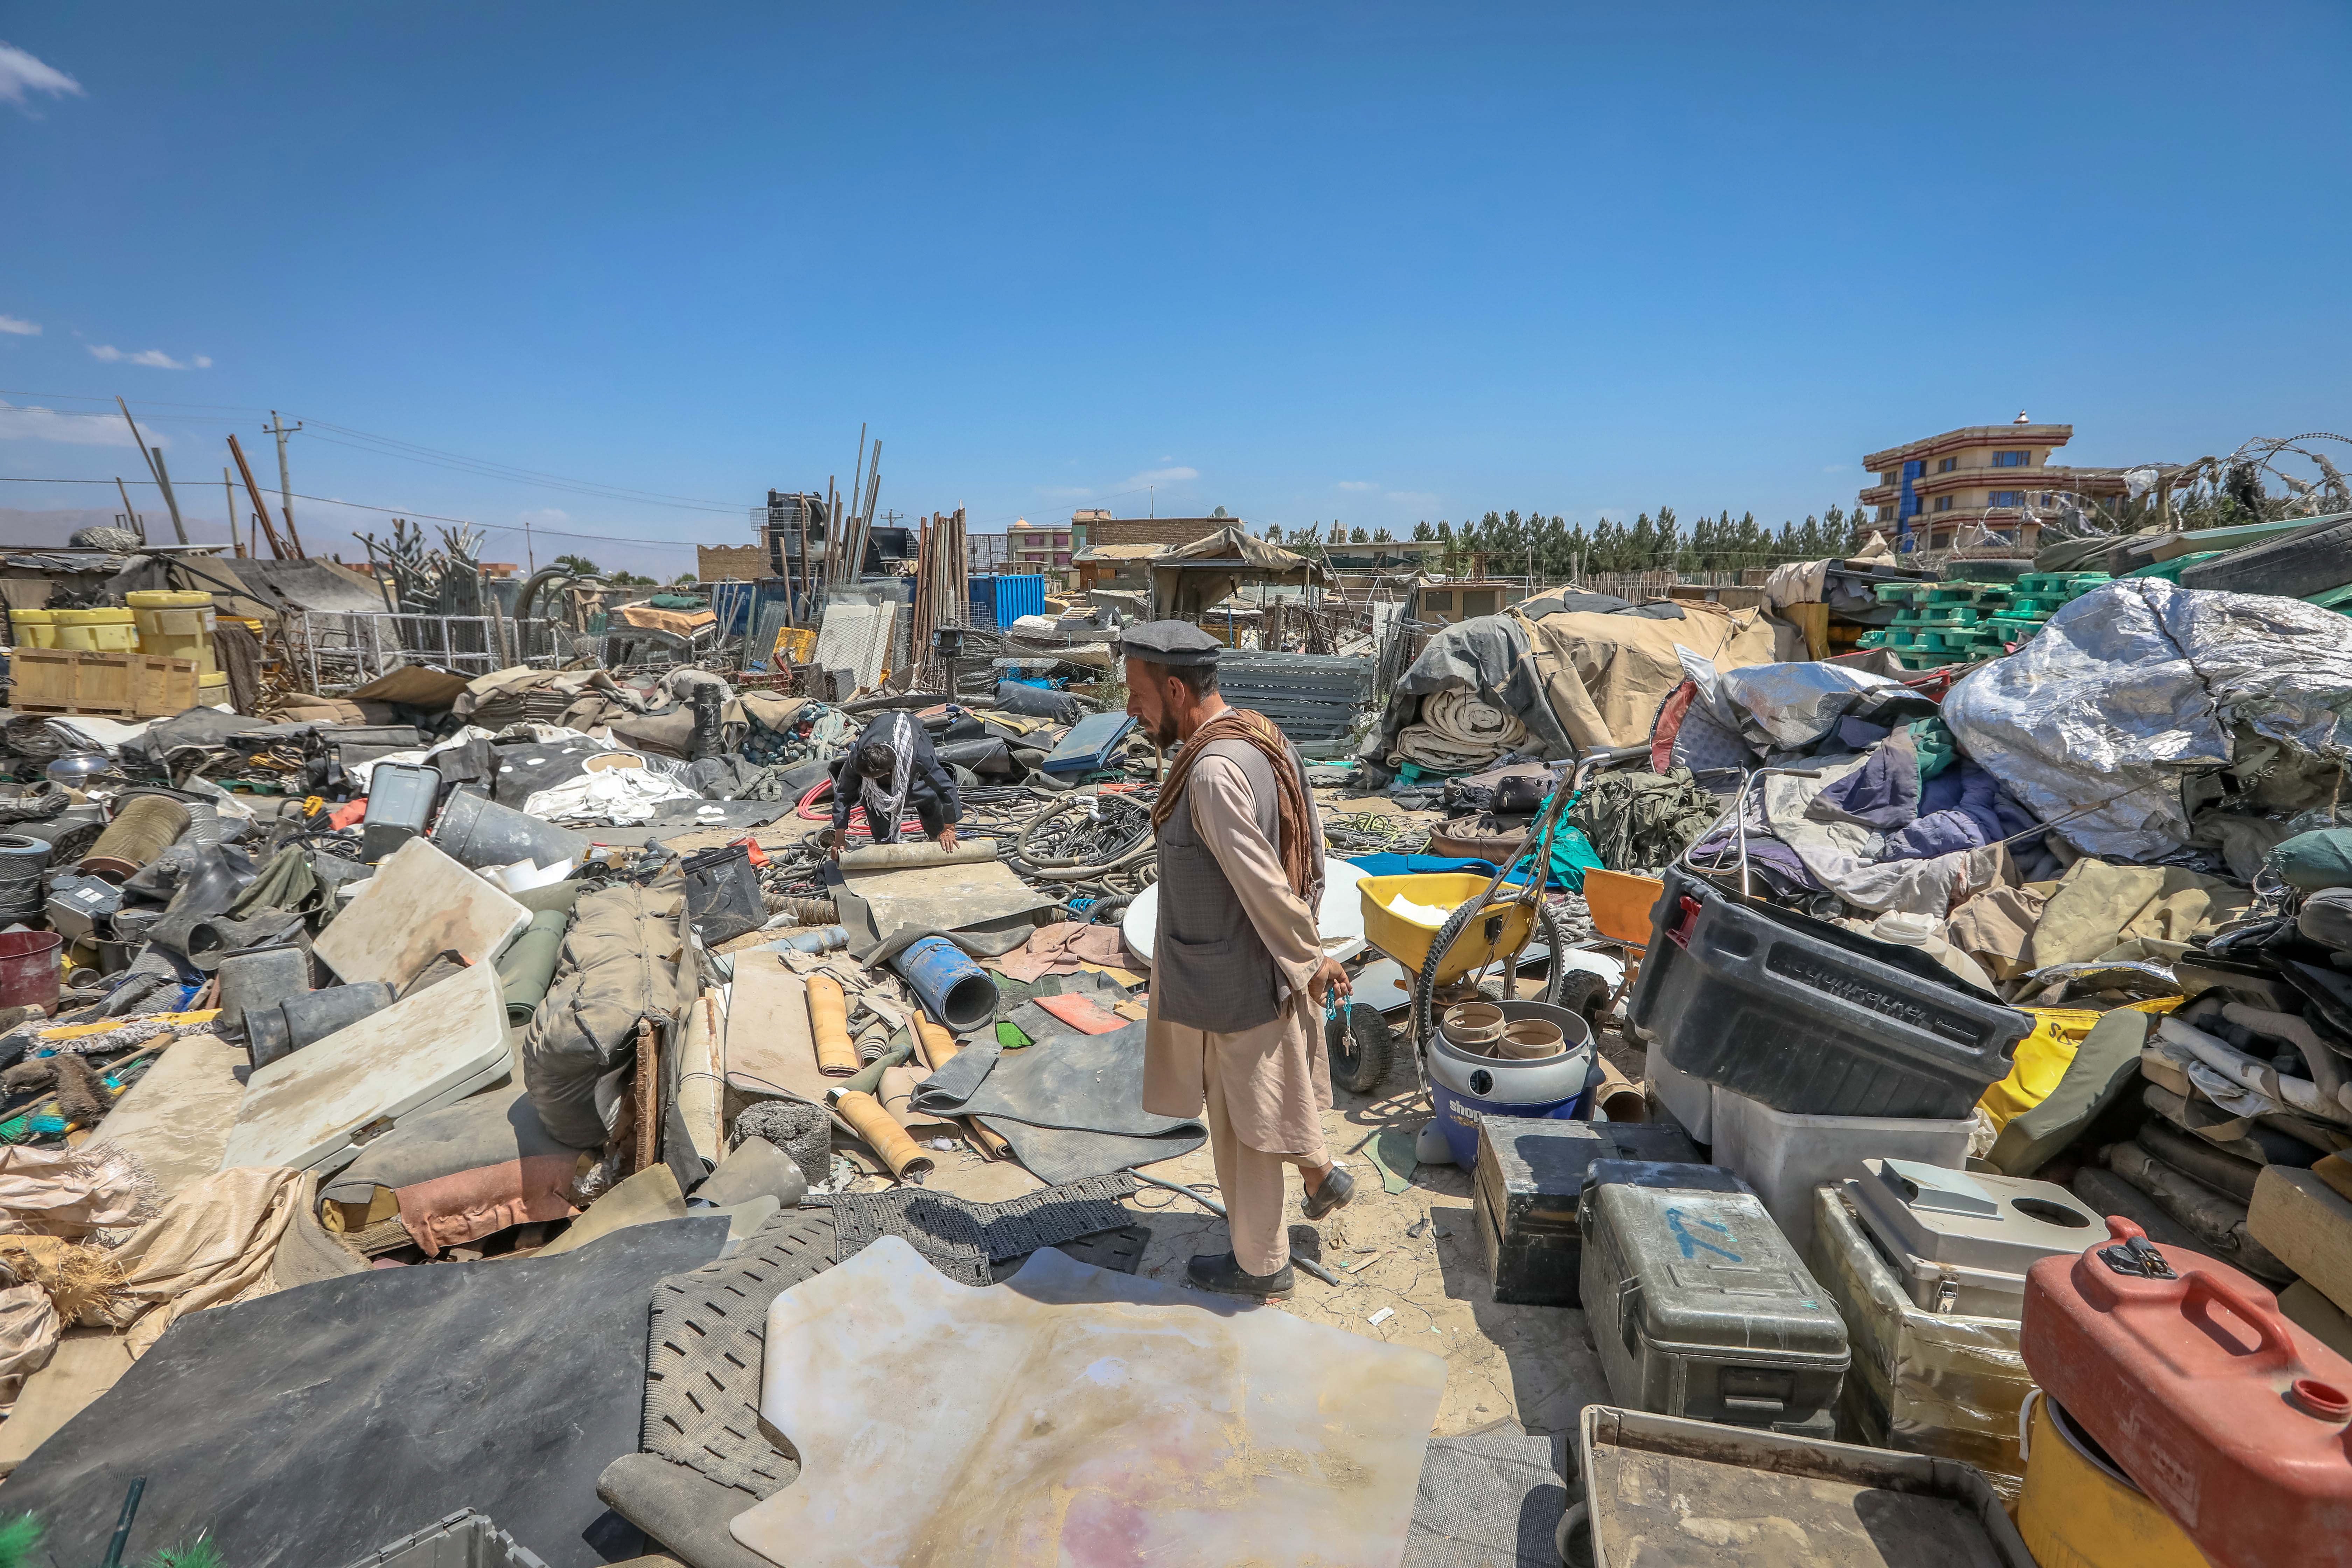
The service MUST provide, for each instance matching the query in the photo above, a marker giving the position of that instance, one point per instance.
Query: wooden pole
(228, 499)
(261, 509)
(129, 515)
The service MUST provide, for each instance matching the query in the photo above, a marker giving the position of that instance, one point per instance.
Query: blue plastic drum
(1463, 1086)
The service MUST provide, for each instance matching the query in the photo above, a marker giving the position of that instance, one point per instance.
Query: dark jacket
(931, 788)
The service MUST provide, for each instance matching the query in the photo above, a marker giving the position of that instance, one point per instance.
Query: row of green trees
(1514, 542)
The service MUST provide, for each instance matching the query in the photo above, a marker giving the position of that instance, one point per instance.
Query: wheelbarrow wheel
(1361, 1047)
(1583, 993)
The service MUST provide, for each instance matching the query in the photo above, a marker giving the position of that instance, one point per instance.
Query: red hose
(858, 826)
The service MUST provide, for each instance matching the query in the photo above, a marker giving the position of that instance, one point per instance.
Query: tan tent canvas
(1606, 674)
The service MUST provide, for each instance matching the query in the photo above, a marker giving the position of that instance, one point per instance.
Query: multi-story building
(1039, 547)
(1979, 487)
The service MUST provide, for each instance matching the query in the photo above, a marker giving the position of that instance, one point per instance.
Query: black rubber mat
(960, 1239)
(313, 1425)
(1120, 1251)
(704, 1355)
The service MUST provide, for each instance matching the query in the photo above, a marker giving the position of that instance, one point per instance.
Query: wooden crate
(108, 685)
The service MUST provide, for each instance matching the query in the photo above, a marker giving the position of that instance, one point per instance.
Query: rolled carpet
(1458, 730)
(527, 966)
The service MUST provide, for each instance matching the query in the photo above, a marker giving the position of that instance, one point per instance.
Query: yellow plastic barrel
(34, 628)
(176, 625)
(95, 631)
(2079, 1511)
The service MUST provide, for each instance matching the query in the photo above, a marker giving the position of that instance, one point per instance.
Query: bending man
(890, 768)
(1238, 975)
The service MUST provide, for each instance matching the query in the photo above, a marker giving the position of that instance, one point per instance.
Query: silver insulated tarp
(2137, 685)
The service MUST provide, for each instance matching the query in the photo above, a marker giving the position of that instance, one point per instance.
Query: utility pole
(228, 499)
(154, 456)
(528, 553)
(285, 481)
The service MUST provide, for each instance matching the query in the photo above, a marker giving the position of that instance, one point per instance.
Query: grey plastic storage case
(1697, 1305)
(1525, 1191)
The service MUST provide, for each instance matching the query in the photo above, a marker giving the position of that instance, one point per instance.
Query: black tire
(1362, 1046)
(2308, 561)
(1584, 993)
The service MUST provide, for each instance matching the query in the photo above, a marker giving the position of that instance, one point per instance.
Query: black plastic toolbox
(1524, 1194)
(1812, 1019)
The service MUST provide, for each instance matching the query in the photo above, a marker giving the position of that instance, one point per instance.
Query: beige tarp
(2101, 910)
(1606, 674)
(678, 623)
(1191, 577)
(212, 1244)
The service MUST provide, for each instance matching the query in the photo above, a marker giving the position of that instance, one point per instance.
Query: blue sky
(1370, 262)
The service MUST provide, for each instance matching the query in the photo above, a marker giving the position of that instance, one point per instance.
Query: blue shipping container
(999, 600)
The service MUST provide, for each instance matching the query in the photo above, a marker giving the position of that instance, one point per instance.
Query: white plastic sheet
(1075, 1416)
(2137, 685)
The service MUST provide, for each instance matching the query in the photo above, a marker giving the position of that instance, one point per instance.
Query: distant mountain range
(21, 528)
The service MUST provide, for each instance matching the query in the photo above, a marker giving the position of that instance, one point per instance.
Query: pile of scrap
(573, 1057)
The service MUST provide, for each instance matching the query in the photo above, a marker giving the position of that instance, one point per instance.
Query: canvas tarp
(2137, 685)
(1605, 676)
(1191, 577)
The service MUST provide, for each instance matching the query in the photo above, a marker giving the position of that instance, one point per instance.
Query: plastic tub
(1463, 1086)
(1691, 1101)
(400, 801)
(1785, 1157)
(95, 631)
(30, 968)
(1812, 1018)
(1406, 938)
(2078, 1509)
(179, 624)
(34, 628)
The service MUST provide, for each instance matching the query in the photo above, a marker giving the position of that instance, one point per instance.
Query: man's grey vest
(1209, 969)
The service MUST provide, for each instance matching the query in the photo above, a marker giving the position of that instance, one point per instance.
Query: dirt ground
(1528, 1364)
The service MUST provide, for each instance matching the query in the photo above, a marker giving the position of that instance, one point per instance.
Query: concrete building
(1042, 547)
(1937, 493)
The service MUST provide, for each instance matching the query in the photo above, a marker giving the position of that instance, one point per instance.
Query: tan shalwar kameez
(1262, 1091)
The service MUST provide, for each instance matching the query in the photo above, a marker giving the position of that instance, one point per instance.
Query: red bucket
(29, 967)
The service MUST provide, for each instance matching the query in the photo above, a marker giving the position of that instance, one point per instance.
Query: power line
(409, 451)
(399, 512)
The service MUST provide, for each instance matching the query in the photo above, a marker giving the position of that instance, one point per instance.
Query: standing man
(1238, 973)
(890, 767)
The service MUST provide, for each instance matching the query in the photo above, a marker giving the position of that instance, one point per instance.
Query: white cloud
(1837, 468)
(154, 358)
(1159, 476)
(20, 329)
(1356, 485)
(70, 429)
(21, 73)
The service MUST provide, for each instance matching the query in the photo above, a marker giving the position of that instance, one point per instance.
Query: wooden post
(260, 509)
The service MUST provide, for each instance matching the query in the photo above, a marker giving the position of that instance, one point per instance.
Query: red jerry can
(2231, 1418)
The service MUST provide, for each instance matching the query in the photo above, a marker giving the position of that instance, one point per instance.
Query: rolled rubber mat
(960, 1239)
(702, 1367)
(313, 1425)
